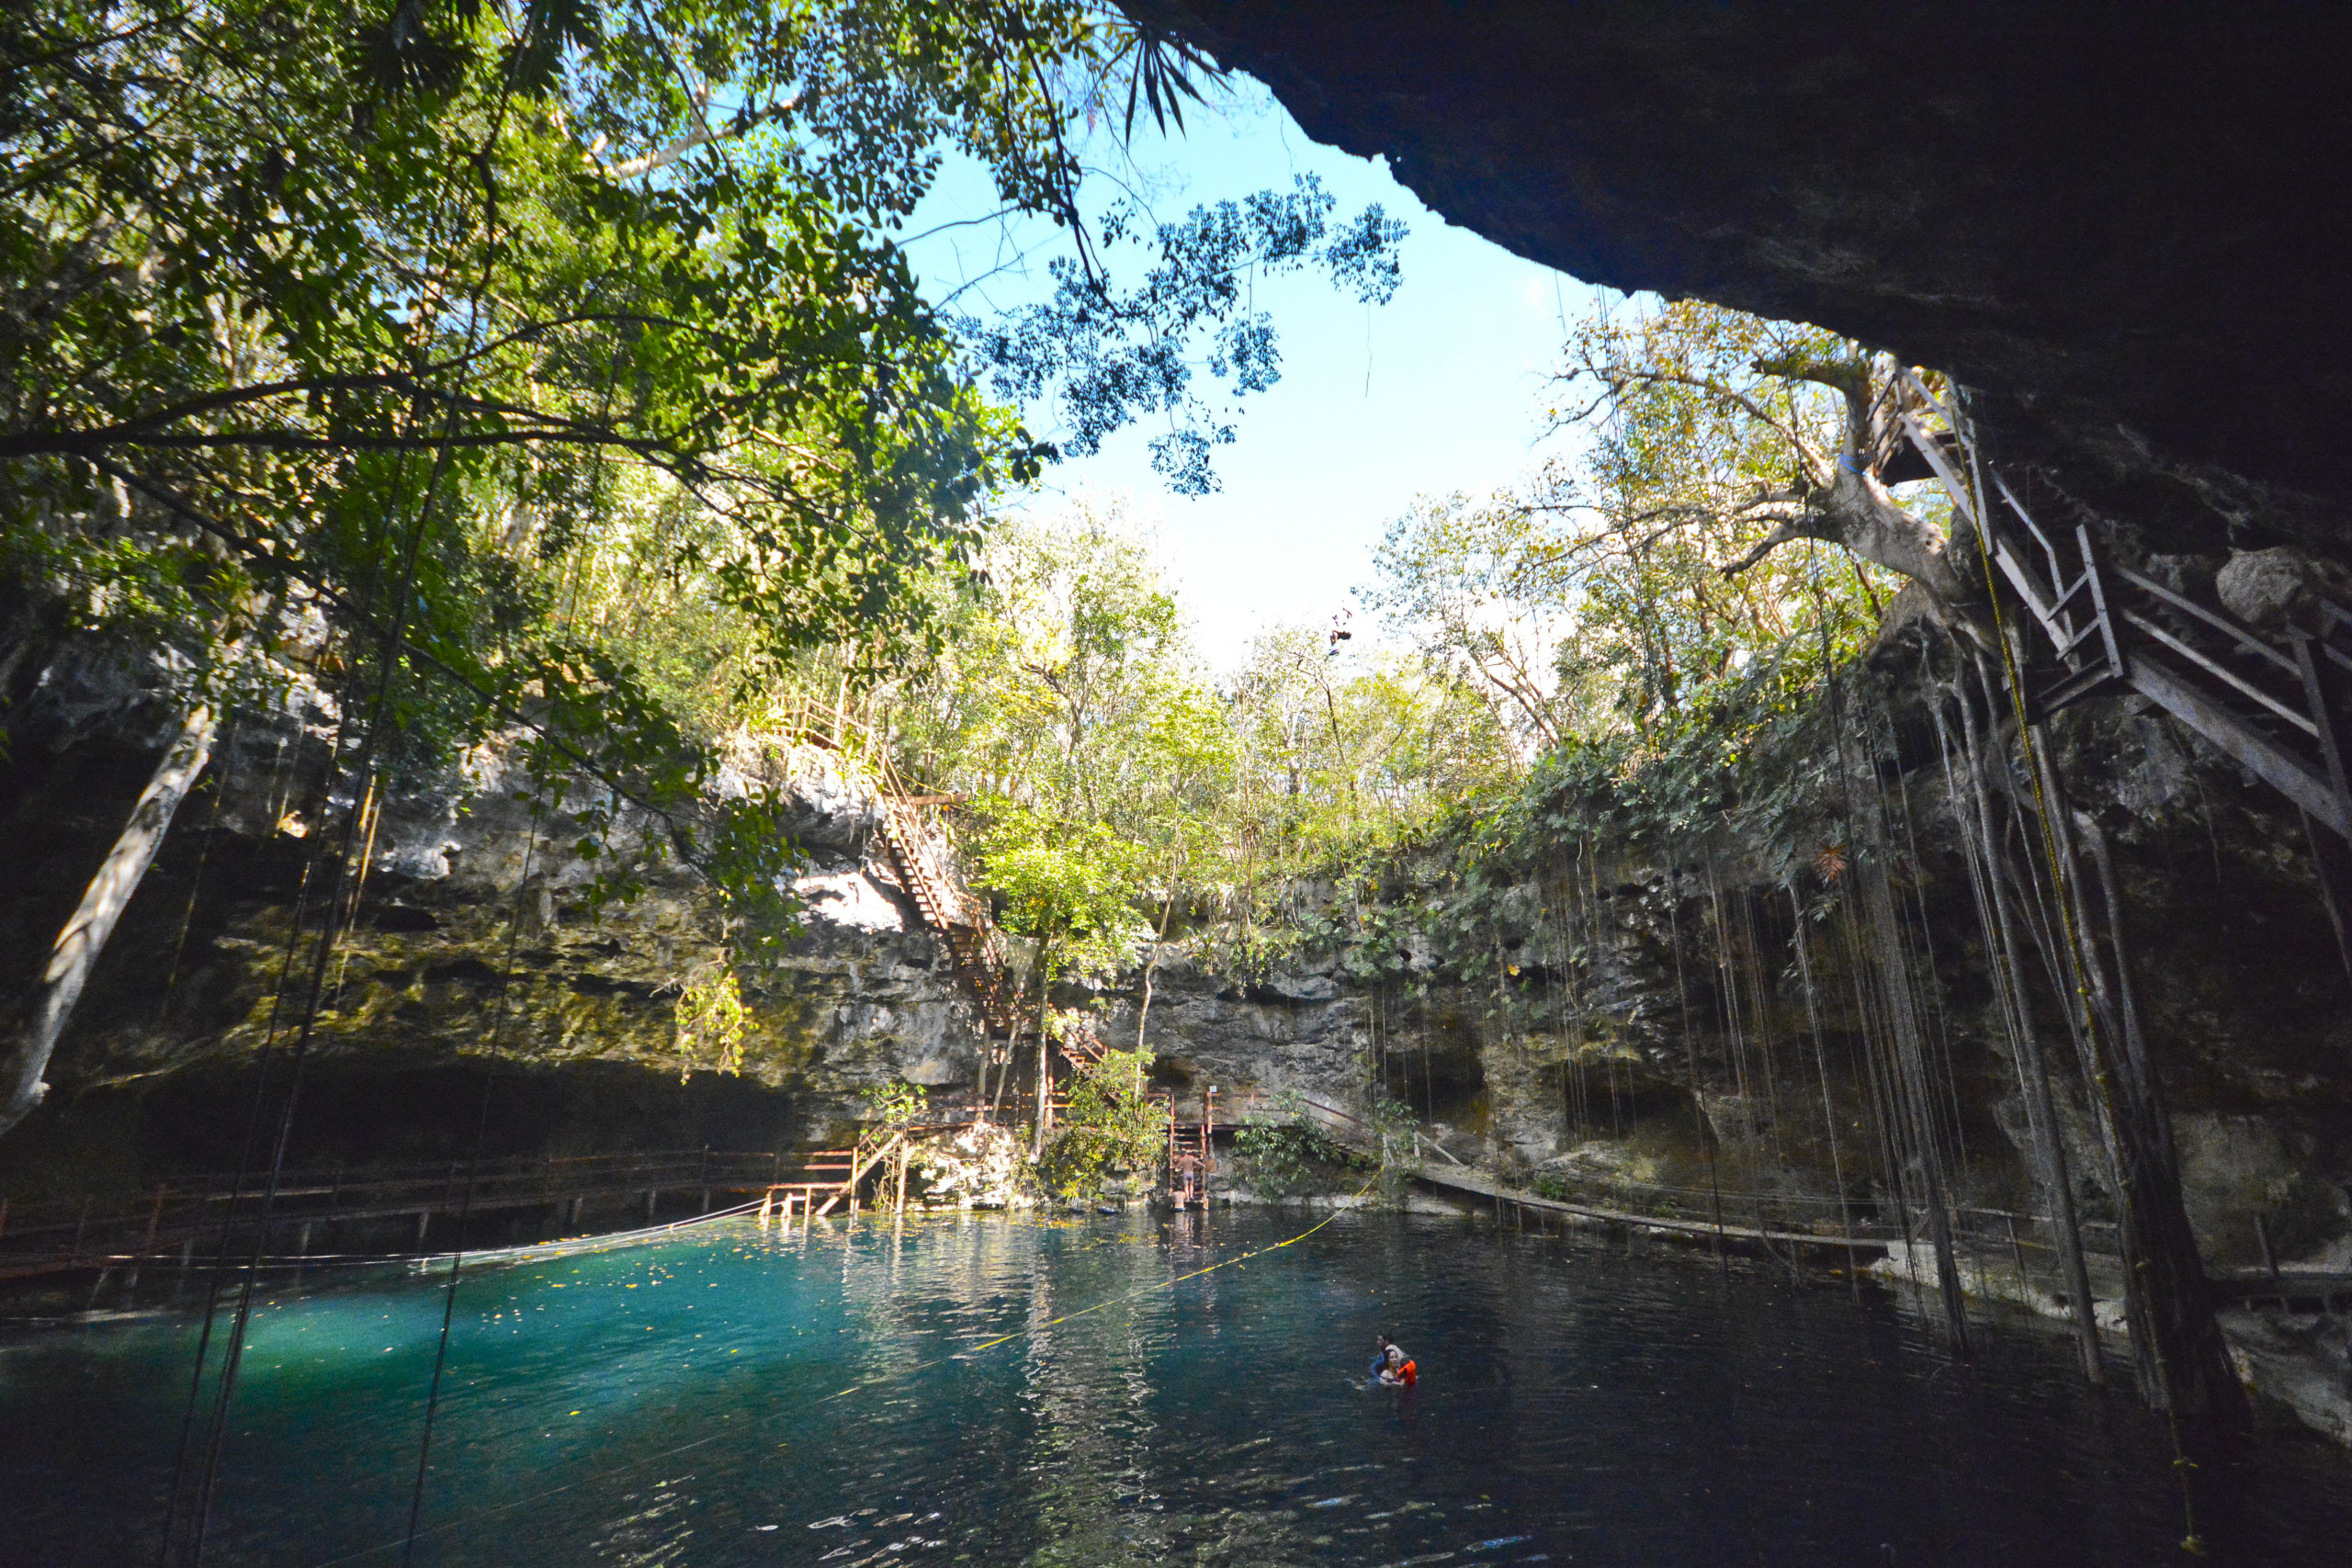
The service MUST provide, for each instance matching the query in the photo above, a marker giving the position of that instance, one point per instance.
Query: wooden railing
(2278, 705)
(877, 1147)
(978, 949)
(974, 945)
(374, 1211)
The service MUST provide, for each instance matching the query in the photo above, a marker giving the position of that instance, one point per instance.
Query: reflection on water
(796, 1396)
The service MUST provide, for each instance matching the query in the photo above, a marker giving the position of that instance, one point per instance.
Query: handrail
(2206, 695)
(2220, 673)
(2245, 639)
(356, 1193)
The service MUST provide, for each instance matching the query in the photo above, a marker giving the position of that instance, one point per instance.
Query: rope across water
(731, 1433)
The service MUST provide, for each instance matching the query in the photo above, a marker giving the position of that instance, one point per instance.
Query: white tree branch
(24, 1056)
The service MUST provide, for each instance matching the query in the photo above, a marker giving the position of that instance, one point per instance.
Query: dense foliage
(1614, 593)
(559, 366)
(1110, 1127)
(560, 369)
(1601, 650)
(1117, 789)
(1285, 1154)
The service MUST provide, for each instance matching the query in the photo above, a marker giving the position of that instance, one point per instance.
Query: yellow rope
(1170, 1284)
(2193, 1542)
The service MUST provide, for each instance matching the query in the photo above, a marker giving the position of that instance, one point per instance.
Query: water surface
(741, 1396)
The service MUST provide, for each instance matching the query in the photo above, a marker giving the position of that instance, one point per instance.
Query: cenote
(831, 1394)
(963, 733)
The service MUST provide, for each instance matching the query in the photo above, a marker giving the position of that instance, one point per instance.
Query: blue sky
(1441, 390)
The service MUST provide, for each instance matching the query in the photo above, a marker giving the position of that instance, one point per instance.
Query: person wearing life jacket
(1398, 1370)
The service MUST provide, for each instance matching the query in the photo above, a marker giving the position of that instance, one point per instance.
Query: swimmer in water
(1398, 1370)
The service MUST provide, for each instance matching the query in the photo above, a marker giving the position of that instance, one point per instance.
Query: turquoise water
(684, 1403)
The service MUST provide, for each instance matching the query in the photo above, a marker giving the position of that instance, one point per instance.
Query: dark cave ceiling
(2124, 226)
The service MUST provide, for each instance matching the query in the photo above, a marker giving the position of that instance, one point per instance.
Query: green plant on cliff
(1287, 1153)
(895, 1104)
(710, 1019)
(1069, 886)
(1341, 757)
(1397, 1126)
(1109, 1127)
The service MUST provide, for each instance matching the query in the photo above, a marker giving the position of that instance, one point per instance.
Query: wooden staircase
(1082, 1051)
(1192, 1155)
(2278, 705)
(828, 1178)
(978, 949)
(974, 945)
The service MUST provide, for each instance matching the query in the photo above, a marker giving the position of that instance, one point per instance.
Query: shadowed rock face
(2125, 225)
(475, 950)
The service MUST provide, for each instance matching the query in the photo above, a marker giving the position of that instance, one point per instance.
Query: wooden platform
(2287, 1290)
(390, 1211)
(1469, 1183)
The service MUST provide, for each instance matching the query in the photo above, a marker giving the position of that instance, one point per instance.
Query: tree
(350, 341)
(1070, 887)
(1339, 755)
(1616, 585)
(1478, 582)
(1110, 1123)
(1066, 706)
(290, 326)
(1714, 415)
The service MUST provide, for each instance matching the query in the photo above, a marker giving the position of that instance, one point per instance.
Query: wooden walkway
(375, 1212)
(1521, 1203)
(1463, 1180)
(831, 1178)
(2289, 1290)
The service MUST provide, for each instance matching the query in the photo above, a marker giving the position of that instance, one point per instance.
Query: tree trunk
(1143, 1013)
(26, 1056)
(1856, 511)
(1044, 1063)
(1011, 1069)
(2194, 1361)
(1003, 1078)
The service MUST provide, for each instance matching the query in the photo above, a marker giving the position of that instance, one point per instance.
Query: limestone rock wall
(1590, 1006)
(1596, 1007)
(1295, 1030)
(474, 949)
